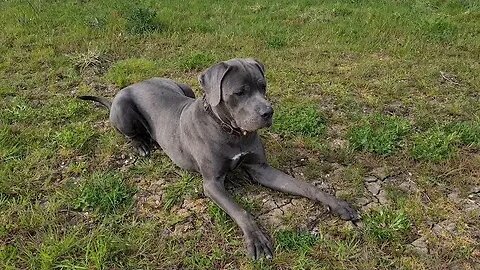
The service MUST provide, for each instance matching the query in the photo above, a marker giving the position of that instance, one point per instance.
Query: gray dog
(213, 136)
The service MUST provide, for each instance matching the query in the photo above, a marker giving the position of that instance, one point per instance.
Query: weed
(386, 225)
(379, 134)
(91, 58)
(143, 21)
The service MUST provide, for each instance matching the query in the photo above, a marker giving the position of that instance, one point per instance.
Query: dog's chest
(237, 159)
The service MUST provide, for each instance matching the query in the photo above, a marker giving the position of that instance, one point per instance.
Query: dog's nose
(266, 112)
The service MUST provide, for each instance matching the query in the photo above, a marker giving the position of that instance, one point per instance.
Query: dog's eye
(263, 89)
(240, 92)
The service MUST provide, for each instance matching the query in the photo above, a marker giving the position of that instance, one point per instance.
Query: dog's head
(236, 88)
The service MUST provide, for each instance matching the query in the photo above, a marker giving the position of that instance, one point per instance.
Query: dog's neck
(223, 119)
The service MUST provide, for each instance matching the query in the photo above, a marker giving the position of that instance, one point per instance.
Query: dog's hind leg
(125, 117)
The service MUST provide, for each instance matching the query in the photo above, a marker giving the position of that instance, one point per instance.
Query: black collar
(225, 126)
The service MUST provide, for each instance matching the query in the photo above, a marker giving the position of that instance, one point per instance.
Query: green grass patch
(176, 192)
(222, 222)
(441, 142)
(197, 61)
(440, 28)
(204, 260)
(298, 120)
(6, 91)
(386, 225)
(10, 146)
(141, 21)
(65, 111)
(8, 254)
(54, 248)
(106, 193)
(345, 249)
(77, 249)
(18, 110)
(276, 42)
(434, 145)
(129, 71)
(468, 132)
(378, 134)
(295, 241)
(74, 136)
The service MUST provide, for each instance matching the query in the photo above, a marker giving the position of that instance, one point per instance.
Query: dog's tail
(105, 102)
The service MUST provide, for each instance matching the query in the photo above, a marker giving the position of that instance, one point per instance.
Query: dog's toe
(345, 211)
(258, 245)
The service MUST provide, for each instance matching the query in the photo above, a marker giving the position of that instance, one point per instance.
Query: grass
(468, 132)
(434, 145)
(74, 136)
(130, 71)
(387, 225)
(298, 120)
(197, 61)
(442, 142)
(142, 20)
(355, 85)
(290, 240)
(175, 192)
(104, 193)
(378, 134)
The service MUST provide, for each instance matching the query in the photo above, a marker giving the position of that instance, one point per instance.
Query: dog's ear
(257, 63)
(211, 82)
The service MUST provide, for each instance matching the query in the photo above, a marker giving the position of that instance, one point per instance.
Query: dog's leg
(128, 121)
(275, 179)
(257, 243)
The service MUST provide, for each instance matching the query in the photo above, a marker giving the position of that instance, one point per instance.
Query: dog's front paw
(258, 245)
(344, 210)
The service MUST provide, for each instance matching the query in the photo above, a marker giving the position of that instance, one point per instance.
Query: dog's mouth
(256, 125)
(269, 122)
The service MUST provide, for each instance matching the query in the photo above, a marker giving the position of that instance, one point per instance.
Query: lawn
(377, 101)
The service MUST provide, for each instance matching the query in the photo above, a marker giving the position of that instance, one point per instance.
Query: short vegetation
(370, 89)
